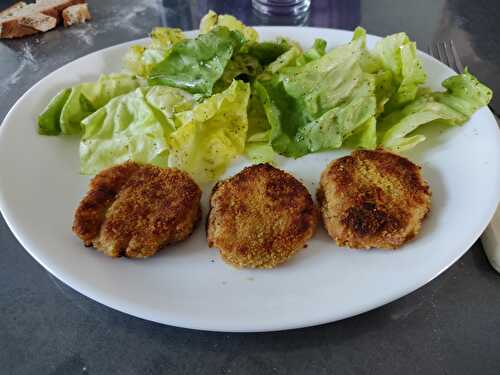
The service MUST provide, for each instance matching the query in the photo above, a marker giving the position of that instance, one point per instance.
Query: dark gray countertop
(450, 326)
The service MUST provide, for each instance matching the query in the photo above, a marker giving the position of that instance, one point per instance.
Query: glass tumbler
(282, 7)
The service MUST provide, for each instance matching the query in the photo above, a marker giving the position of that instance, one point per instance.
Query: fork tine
(458, 62)
(452, 63)
(441, 53)
(432, 51)
(435, 51)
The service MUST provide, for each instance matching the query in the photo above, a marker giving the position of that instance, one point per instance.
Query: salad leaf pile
(196, 104)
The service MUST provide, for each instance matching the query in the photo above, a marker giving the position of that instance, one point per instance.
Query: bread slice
(75, 14)
(12, 9)
(39, 22)
(25, 19)
(9, 12)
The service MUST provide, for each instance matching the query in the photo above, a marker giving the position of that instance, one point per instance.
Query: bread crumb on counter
(75, 14)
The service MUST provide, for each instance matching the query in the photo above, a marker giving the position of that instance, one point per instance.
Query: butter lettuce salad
(197, 104)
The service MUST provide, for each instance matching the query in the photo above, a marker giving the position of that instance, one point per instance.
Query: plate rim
(133, 310)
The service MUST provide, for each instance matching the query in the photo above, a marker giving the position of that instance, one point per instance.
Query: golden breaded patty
(260, 217)
(373, 199)
(134, 210)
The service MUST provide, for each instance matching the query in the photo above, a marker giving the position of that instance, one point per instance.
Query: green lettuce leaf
(241, 66)
(212, 20)
(364, 137)
(225, 94)
(323, 83)
(70, 106)
(318, 50)
(330, 129)
(463, 96)
(369, 62)
(49, 121)
(384, 89)
(316, 106)
(140, 60)
(258, 146)
(169, 101)
(196, 64)
(257, 120)
(385, 85)
(211, 135)
(249, 63)
(285, 117)
(464, 93)
(398, 55)
(267, 52)
(134, 127)
(260, 152)
(287, 58)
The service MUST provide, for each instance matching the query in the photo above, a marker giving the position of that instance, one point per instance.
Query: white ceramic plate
(188, 285)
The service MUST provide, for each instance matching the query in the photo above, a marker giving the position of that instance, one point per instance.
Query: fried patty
(134, 210)
(260, 217)
(373, 199)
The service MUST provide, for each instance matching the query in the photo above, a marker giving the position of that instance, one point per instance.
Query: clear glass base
(282, 7)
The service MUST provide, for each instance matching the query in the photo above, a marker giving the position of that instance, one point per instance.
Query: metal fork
(447, 54)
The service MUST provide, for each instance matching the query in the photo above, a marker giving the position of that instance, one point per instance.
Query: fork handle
(491, 236)
(491, 241)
